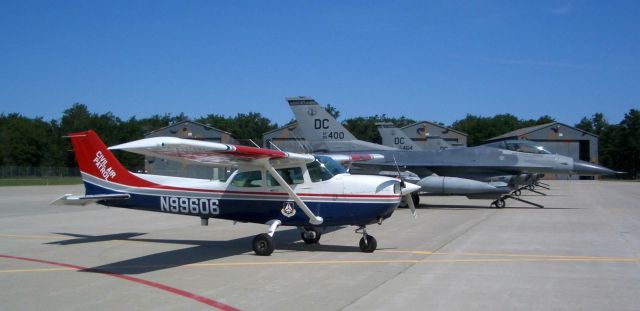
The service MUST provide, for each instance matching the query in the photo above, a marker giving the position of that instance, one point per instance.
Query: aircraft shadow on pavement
(202, 250)
(474, 207)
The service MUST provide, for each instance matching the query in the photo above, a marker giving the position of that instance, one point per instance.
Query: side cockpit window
(292, 175)
(247, 179)
(318, 172)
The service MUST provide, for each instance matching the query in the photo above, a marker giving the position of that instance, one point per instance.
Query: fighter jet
(397, 138)
(465, 171)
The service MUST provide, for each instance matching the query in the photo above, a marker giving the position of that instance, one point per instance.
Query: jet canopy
(519, 146)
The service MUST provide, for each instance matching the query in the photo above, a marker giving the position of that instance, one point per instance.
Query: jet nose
(586, 168)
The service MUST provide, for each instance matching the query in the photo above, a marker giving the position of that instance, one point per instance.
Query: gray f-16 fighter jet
(397, 138)
(461, 171)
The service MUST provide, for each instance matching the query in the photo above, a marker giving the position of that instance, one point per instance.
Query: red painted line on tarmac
(163, 287)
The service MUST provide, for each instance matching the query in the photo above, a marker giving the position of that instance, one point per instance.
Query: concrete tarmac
(581, 252)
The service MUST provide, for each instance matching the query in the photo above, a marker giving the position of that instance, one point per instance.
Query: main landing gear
(263, 244)
(501, 202)
(310, 235)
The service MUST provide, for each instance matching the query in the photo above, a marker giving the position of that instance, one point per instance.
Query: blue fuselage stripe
(334, 213)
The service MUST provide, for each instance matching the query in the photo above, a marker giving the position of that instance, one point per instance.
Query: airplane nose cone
(409, 188)
(586, 168)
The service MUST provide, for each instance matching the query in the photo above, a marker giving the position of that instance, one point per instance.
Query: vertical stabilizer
(323, 132)
(315, 122)
(395, 137)
(95, 159)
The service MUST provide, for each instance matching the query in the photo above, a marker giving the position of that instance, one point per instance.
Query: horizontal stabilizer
(70, 199)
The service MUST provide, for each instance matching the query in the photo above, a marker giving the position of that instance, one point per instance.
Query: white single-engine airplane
(270, 187)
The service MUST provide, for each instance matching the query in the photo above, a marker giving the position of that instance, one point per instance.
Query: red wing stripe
(176, 291)
(257, 152)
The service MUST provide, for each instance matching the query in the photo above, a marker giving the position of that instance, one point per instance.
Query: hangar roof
(531, 129)
(207, 127)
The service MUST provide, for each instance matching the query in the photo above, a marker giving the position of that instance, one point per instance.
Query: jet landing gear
(263, 244)
(368, 243)
(501, 202)
(310, 235)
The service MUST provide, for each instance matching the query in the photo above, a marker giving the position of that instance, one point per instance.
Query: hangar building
(286, 138)
(561, 139)
(422, 131)
(190, 130)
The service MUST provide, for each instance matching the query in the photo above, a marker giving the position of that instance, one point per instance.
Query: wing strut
(313, 219)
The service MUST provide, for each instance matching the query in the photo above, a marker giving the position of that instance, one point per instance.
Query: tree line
(35, 142)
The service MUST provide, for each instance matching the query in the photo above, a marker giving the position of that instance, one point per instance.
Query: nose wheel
(368, 243)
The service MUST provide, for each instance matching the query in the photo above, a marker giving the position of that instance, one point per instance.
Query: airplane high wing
(217, 154)
(211, 153)
(269, 187)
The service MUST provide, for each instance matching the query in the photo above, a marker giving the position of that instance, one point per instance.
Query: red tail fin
(95, 159)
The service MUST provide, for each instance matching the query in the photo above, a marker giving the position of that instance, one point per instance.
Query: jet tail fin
(395, 137)
(311, 115)
(323, 132)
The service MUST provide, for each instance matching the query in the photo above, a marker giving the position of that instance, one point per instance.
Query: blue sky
(428, 60)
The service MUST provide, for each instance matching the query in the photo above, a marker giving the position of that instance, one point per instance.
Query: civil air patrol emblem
(288, 210)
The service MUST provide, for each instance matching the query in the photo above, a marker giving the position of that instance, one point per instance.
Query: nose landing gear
(368, 243)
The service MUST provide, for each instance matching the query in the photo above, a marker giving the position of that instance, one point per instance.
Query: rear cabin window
(292, 176)
(247, 179)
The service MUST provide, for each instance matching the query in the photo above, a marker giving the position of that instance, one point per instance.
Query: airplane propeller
(406, 190)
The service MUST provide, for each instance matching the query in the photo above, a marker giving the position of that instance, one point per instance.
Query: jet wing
(209, 153)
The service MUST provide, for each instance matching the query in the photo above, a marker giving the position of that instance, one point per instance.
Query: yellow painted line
(37, 270)
(408, 252)
(508, 255)
(409, 261)
(352, 262)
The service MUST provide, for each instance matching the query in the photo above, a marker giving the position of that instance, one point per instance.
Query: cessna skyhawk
(269, 187)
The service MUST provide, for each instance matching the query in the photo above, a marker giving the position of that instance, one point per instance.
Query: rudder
(95, 159)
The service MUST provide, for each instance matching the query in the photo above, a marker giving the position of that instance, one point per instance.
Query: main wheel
(263, 244)
(369, 245)
(416, 199)
(310, 235)
(500, 203)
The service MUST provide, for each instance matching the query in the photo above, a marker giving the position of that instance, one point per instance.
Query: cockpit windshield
(527, 147)
(334, 167)
(520, 146)
(324, 168)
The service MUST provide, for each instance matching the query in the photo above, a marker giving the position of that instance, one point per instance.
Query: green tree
(24, 141)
